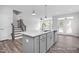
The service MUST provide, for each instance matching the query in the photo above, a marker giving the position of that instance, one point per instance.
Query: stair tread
(17, 30)
(16, 27)
(18, 37)
(18, 34)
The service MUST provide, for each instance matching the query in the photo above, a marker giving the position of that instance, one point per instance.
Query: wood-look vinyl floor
(65, 44)
(9, 46)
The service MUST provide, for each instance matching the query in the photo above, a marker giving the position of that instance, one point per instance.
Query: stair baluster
(12, 34)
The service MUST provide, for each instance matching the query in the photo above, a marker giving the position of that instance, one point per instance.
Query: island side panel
(28, 44)
(36, 44)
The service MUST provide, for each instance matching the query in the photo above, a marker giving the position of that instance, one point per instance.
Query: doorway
(15, 16)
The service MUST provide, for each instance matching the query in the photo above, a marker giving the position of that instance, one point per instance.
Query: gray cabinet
(49, 40)
(40, 43)
(52, 39)
(28, 44)
(43, 43)
(36, 45)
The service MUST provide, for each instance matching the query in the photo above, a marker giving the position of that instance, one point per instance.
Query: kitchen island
(38, 41)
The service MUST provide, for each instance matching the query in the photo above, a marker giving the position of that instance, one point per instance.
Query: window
(69, 23)
(65, 24)
(61, 24)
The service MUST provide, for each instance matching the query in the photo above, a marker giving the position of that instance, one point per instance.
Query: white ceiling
(51, 9)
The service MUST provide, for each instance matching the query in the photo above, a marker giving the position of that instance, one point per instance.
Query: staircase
(17, 33)
(16, 29)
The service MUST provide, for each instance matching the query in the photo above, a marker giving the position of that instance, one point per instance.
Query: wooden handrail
(12, 34)
(21, 25)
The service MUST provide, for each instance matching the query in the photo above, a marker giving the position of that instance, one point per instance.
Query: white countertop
(34, 33)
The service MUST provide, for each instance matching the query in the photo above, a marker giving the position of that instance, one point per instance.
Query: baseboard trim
(68, 35)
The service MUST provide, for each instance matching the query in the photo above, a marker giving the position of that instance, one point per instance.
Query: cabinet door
(52, 39)
(28, 45)
(43, 43)
(37, 44)
(49, 40)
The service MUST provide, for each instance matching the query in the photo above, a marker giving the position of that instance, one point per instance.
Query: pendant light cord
(45, 11)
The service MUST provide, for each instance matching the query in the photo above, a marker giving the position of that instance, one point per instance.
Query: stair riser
(17, 31)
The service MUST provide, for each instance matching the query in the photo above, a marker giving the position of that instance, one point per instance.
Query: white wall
(5, 22)
(6, 18)
(32, 22)
(75, 23)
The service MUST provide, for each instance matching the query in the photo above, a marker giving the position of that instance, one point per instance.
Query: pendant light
(41, 18)
(33, 12)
